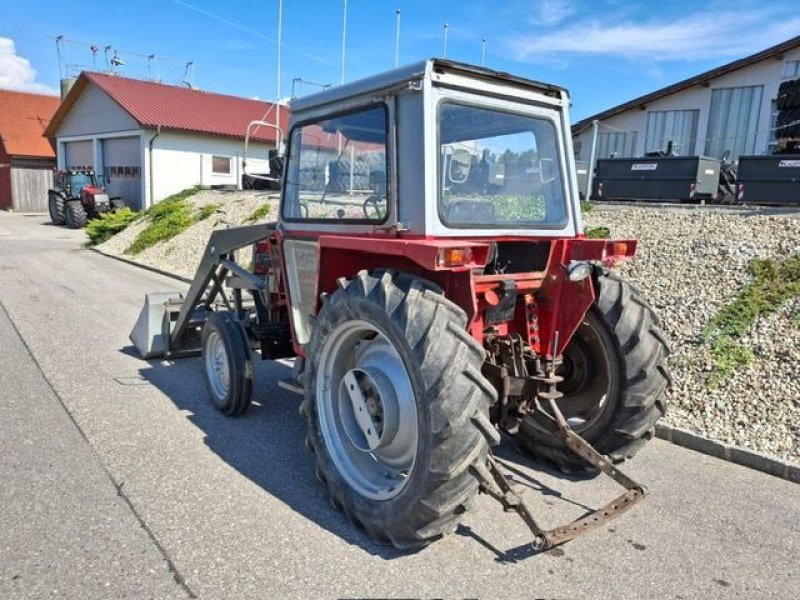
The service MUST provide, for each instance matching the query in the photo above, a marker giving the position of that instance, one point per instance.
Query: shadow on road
(266, 445)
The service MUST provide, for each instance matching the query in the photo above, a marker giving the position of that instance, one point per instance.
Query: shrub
(258, 214)
(109, 224)
(166, 219)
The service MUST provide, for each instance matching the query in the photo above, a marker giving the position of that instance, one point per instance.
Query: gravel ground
(182, 254)
(690, 263)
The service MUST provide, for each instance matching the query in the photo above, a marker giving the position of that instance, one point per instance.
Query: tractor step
(494, 482)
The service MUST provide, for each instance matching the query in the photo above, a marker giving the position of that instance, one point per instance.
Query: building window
(676, 126)
(221, 165)
(792, 69)
(611, 144)
(733, 121)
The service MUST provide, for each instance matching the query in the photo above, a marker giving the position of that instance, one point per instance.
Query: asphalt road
(120, 480)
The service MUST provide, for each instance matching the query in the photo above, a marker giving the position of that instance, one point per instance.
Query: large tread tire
(452, 399)
(55, 205)
(627, 422)
(227, 327)
(75, 215)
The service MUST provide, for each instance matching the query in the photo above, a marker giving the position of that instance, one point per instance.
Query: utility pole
(344, 41)
(397, 38)
(278, 73)
(483, 52)
(444, 54)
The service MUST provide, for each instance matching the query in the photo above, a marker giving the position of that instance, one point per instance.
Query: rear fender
(561, 303)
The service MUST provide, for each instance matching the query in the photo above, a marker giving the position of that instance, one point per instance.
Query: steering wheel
(371, 208)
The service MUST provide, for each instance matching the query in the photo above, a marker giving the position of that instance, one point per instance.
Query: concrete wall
(95, 112)
(768, 72)
(183, 160)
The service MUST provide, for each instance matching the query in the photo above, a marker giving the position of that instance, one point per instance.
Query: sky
(604, 51)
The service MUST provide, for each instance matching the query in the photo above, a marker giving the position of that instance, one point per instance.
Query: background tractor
(429, 274)
(77, 197)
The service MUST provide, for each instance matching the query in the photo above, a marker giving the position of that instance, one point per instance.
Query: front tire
(75, 216)
(391, 347)
(55, 205)
(615, 379)
(227, 367)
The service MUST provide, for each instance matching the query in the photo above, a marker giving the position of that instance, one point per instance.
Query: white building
(147, 140)
(728, 109)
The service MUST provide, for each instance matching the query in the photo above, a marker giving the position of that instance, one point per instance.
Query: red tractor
(77, 197)
(430, 276)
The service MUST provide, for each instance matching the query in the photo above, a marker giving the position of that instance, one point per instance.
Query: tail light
(454, 257)
(600, 190)
(262, 257)
(740, 192)
(692, 190)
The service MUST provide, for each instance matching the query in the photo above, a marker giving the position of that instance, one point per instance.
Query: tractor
(429, 275)
(77, 197)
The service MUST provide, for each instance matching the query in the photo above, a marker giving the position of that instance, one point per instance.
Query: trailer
(657, 178)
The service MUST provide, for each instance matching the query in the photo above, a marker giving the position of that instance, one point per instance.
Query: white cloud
(702, 35)
(16, 72)
(552, 12)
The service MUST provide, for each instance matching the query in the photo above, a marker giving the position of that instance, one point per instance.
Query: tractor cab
(436, 149)
(74, 181)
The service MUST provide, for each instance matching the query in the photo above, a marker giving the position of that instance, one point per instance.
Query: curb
(735, 454)
(141, 266)
(675, 435)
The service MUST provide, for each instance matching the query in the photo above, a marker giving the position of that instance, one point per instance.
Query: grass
(109, 224)
(774, 283)
(587, 206)
(258, 214)
(597, 233)
(206, 211)
(166, 219)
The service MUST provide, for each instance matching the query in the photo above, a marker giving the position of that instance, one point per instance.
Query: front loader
(429, 273)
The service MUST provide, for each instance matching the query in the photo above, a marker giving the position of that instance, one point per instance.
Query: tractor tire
(402, 470)
(227, 366)
(615, 378)
(55, 204)
(75, 215)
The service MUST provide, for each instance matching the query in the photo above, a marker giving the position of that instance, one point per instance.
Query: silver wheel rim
(217, 368)
(367, 410)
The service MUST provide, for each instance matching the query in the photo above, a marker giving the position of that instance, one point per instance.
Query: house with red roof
(148, 140)
(27, 159)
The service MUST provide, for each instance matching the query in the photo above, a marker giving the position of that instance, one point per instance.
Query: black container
(683, 178)
(769, 180)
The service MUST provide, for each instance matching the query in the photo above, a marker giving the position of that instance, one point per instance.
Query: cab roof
(396, 78)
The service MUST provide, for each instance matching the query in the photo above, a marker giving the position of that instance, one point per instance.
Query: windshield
(498, 169)
(78, 181)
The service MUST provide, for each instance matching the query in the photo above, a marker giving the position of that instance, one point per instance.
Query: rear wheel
(397, 407)
(55, 205)
(227, 366)
(75, 215)
(615, 378)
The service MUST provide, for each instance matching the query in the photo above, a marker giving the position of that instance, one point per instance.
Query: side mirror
(548, 171)
(458, 167)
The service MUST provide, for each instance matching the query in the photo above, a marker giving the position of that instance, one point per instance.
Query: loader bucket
(151, 333)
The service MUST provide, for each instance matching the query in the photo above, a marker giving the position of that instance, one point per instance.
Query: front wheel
(227, 366)
(615, 378)
(75, 215)
(397, 407)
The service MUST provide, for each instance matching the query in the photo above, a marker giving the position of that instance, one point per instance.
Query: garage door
(79, 155)
(122, 169)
